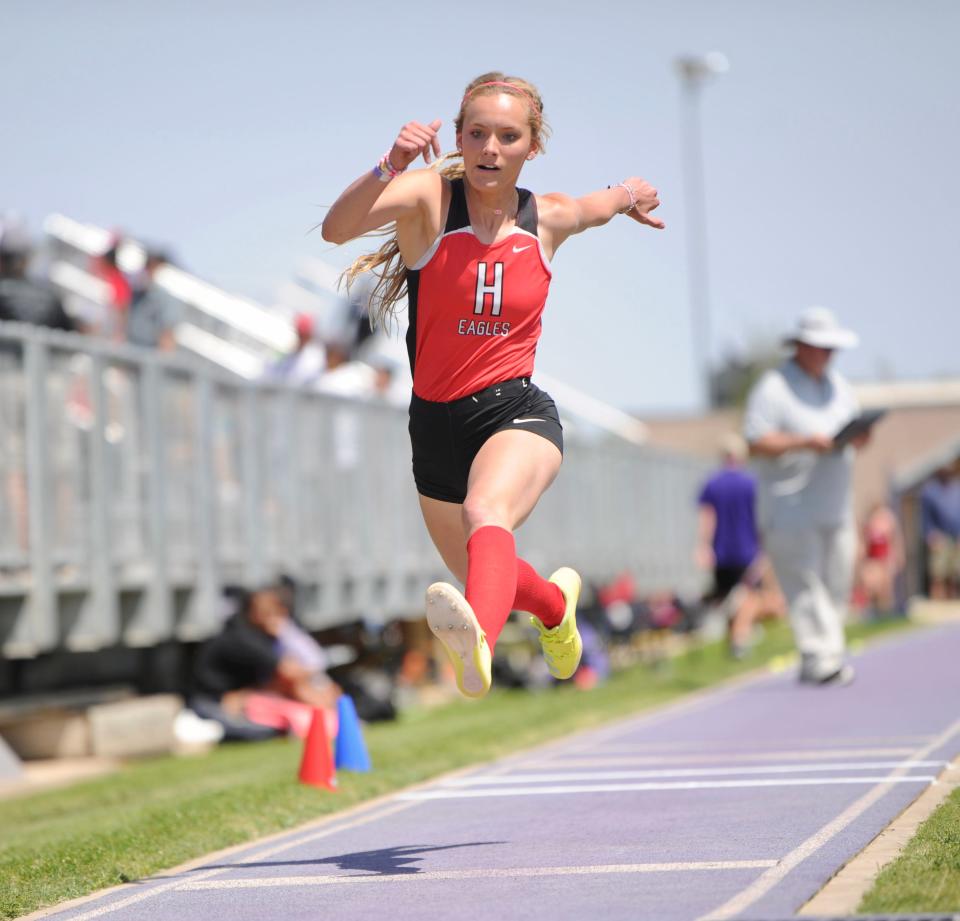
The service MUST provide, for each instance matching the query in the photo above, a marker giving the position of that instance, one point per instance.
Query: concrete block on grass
(139, 726)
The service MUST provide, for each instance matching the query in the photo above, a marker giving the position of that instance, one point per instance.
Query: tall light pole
(694, 71)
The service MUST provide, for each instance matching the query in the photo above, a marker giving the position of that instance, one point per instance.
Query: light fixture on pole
(694, 71)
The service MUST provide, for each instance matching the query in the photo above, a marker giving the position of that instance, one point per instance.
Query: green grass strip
(926, 876)
(152, 815)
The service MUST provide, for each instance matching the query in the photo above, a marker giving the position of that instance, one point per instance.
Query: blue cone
(351, 751)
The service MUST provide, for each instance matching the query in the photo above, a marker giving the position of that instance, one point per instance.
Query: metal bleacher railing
(137, 484)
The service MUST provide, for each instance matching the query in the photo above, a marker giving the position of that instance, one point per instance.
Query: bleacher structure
(137, 484)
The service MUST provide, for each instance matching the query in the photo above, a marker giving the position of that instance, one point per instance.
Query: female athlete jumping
(472, 251)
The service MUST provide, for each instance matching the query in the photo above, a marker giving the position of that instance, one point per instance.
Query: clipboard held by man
(858, 425)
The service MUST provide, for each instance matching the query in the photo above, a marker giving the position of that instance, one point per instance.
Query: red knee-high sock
(541, 598)
(491, 578)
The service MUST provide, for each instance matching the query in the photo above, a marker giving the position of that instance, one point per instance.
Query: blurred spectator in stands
(119, 292)
(153, 312)
(343, 375)
(387, 383)
(22, 299)
(254, 678)
(940, 511)
(388, 358)
(882, 559)
(303, 366)
(727, 539)
(359, 380)
(345, 378)
(371, 374)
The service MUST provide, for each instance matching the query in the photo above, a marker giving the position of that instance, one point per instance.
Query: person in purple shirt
(940, 510)
(727, 538)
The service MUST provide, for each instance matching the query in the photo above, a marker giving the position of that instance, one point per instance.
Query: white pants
(815, 570)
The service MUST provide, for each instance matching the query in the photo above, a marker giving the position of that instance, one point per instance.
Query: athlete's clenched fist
(415, 139)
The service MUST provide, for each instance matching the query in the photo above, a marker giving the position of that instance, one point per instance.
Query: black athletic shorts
(447, 436)
(725, 580)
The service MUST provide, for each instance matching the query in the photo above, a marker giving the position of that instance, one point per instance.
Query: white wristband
(633, 197)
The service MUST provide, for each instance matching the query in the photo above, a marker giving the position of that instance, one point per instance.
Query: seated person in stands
(260, 652)
(23, 299)
(153, 311)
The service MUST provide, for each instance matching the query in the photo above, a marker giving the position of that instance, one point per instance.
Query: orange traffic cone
(316, 767)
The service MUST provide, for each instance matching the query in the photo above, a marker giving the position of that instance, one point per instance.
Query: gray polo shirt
(802, 488)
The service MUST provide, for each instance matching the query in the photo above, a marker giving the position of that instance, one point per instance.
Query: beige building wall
(904, 438)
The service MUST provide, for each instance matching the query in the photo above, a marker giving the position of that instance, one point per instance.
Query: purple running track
(737, 803)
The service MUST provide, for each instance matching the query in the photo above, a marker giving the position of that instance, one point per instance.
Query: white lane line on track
(718, 757)
(649, 787)
(698, 745)
(760, 887)
(479, 873)
(481, 780)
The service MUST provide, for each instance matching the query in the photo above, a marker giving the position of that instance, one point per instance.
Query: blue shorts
(447, 436)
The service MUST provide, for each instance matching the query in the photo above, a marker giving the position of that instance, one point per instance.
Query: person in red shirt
(472, 252)
(120, 292)
(882, 558)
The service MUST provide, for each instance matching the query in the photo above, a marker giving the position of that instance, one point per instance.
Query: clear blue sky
(832, 149)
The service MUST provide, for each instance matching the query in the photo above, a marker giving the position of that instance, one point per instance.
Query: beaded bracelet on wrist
(385, 170)
(633, 198)
(630, 193)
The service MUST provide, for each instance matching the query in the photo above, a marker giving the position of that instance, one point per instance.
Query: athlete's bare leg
(444, 521)
(508, 476)
(746, 610)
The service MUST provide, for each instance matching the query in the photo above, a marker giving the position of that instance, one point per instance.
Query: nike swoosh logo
(520, 249)
(531, 419)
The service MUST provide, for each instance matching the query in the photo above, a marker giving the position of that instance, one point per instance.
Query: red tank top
(475, 308)
(878, 543)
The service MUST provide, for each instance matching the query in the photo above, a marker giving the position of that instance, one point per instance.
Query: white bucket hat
(818, 327)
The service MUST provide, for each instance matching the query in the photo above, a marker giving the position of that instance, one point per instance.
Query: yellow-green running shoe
(452, 621)
(561, 645)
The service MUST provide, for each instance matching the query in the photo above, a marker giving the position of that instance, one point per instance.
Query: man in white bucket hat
(805, 508)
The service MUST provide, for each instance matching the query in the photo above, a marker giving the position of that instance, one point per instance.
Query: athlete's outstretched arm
(369, 203)
(564, 216)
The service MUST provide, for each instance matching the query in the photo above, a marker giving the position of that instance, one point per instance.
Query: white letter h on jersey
(483, 289)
